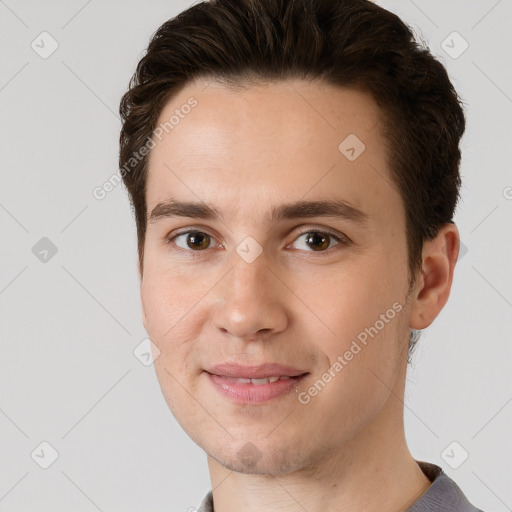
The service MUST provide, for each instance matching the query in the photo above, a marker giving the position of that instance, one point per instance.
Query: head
(278, 102)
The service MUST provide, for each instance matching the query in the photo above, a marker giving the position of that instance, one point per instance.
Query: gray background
(69, 324)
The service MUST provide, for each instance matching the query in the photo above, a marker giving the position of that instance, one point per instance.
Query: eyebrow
(335, 208)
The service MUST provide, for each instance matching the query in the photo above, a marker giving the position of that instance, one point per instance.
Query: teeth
(264, 380)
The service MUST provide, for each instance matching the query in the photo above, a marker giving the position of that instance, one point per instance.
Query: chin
(251, 458)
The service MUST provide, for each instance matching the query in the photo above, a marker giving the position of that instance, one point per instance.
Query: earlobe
(433, 287)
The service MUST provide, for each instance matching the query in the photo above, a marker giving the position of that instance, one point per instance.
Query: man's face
(251, 289)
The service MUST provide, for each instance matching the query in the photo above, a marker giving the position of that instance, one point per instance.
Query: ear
(432, 288)
(144, 316)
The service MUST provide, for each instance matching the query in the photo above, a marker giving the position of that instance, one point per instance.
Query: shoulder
(207, 503)
(443, 495)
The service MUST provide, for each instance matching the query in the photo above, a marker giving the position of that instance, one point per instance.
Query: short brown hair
(349, 43)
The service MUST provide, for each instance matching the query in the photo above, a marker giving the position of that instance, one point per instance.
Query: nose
(251, 301)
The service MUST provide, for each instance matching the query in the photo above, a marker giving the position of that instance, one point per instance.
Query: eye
(195, 240)
(319, 241)
(313, 240)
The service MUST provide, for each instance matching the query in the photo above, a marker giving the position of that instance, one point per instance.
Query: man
(293, 170)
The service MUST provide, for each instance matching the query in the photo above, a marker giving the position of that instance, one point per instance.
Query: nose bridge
(248, 279)
(250, 300)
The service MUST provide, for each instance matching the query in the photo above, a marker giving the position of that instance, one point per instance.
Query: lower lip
(253, 393)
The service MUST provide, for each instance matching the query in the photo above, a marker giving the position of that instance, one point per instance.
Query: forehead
(276, 141)
(283, 114)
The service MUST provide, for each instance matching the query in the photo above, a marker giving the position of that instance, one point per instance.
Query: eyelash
(340, 238)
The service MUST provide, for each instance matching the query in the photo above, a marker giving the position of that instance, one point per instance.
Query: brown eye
(195, 240)
(317, 241)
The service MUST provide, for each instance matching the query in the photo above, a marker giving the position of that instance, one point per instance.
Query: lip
(254, 371)
(249, 393)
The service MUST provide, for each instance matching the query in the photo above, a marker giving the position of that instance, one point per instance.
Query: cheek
(362, 356)
(361, 304)
(172, 325)
(174, 304)
(167, 299)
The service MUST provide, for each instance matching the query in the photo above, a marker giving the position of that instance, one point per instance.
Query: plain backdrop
(69, 297)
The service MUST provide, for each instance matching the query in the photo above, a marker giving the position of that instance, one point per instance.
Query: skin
(243, 151)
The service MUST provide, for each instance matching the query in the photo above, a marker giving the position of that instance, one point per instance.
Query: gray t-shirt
(443, 495)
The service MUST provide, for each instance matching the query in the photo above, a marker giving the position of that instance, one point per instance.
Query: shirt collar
(443, 495)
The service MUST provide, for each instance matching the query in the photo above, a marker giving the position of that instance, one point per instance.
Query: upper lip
(254, 371)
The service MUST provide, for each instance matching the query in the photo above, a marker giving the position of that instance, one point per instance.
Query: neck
(373, 471)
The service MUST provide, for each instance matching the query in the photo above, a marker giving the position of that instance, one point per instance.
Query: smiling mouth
(252, 391)
(256, 382)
